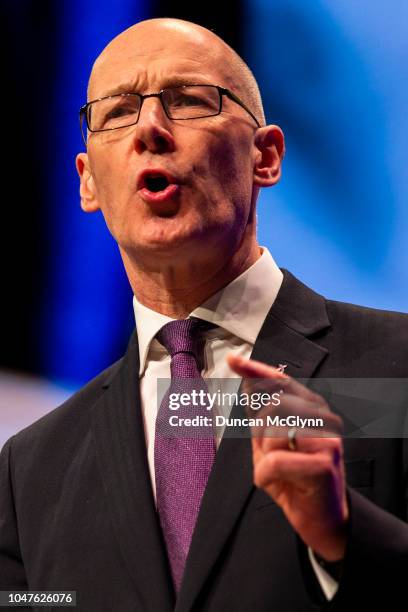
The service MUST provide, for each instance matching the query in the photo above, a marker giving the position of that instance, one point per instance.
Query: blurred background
(332, 75)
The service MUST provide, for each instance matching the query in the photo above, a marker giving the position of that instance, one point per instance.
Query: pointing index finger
(250, 368)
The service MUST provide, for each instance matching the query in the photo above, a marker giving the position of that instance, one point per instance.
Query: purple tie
(182, 458)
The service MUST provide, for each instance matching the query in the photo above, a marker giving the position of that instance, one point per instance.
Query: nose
(153, 131)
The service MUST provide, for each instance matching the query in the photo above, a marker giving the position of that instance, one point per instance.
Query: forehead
(147, 61)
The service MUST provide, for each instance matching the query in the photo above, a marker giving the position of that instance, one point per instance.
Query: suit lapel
(297, 314)
(121, 451)
(285, 338)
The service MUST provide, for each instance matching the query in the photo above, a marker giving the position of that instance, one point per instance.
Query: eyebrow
(172, 81)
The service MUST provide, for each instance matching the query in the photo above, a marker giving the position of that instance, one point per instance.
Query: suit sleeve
(376, 562)
(12, 574)
(375, 567)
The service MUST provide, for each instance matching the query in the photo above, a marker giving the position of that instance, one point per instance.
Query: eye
(120, 110)
(115, 112)
(188, 100)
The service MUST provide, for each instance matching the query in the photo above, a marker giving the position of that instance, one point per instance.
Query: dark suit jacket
(77, 511)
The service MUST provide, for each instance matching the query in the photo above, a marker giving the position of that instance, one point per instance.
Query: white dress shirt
(239, 311)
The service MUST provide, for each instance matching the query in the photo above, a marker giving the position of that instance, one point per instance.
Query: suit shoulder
(374, 340)
(353, 317)
(71, 414)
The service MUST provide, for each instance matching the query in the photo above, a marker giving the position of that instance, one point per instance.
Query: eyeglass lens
(179, 102)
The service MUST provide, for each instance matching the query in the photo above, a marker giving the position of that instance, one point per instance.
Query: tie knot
(183, 335)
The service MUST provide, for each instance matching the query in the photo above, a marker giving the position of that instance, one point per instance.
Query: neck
(176, 290)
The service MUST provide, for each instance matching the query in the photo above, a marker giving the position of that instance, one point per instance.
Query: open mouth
(156, 183)
(157, 188)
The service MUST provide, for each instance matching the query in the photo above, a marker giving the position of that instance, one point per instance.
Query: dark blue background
(332, 75)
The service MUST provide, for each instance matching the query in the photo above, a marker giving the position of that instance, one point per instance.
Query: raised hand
(308, 483)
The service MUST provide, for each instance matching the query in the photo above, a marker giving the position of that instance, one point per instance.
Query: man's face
(210, 160)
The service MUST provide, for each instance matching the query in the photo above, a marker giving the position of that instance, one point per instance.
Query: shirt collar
(240, 307)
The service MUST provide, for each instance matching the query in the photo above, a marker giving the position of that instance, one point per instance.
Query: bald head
(152, 38)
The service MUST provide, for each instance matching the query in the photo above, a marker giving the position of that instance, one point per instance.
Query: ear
(270, 150)
(87, 191)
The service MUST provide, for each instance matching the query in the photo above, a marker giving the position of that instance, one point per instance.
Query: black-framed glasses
(180, 103)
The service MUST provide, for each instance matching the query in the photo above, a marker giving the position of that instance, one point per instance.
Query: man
(93, 497)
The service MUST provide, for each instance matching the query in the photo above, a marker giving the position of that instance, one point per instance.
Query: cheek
(230, 167)
(109, 184)
(222, 161)
(110, 187)
(108, 173)
(107, 180)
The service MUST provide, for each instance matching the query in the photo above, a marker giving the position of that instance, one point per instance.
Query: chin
(162, 244)
(170, 232)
